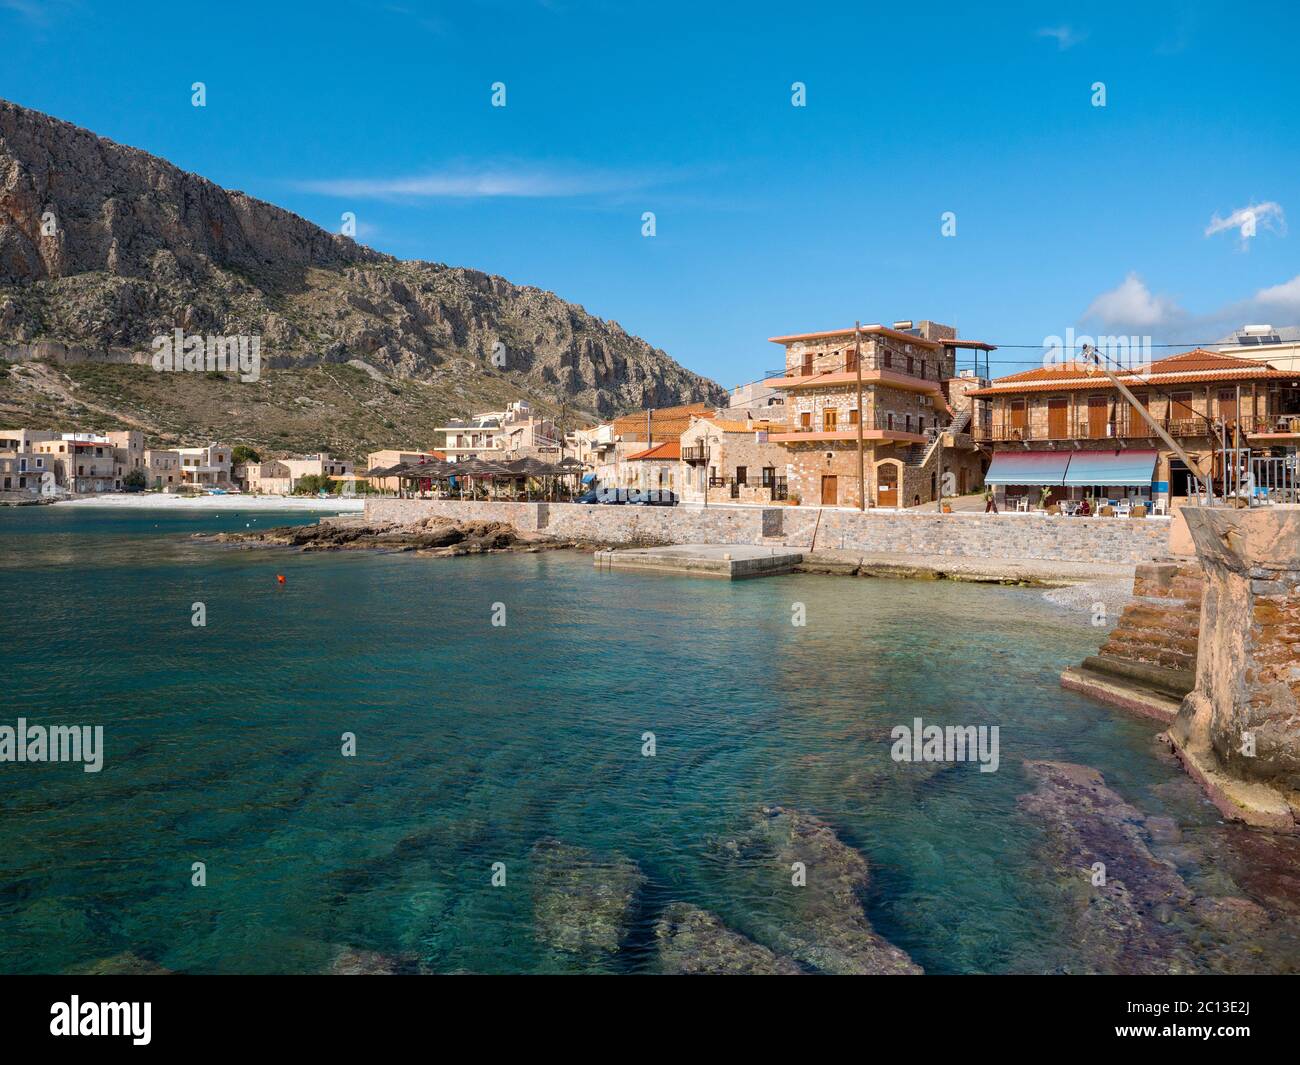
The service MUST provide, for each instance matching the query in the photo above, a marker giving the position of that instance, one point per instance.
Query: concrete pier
(725, 561)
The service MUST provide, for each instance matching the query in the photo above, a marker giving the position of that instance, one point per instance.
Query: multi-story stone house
(726, 461)
(271, 477)
(1068, 429)
(322, 465)
(162, 468)
(502, 436)
(208, 465)
(911, 435)
(21, 466)
(89, 462)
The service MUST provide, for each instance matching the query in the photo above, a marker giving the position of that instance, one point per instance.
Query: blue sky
(770, 218)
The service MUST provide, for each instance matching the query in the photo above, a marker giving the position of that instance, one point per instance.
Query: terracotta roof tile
(669, 450)
(1191, 367)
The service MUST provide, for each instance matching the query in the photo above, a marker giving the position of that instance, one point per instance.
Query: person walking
(990, 503)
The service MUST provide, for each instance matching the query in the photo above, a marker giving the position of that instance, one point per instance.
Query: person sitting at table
(1085, 509)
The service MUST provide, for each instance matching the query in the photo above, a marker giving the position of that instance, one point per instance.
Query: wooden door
(887, 485)
(830, 490)
(1098, 417)
(1018, 418)
(1058, 418)
(1182, 411)
(1228, 405)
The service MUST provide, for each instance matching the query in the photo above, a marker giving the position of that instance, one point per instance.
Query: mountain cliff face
(104, 247)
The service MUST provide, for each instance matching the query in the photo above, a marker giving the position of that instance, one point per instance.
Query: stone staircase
(1148, 662)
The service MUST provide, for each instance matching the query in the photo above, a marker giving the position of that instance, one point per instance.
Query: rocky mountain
(104, 247)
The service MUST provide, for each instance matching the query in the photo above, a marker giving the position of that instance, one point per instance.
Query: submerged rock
(583, 903)
(1124, 924)
(353, 962)
(693, 942)
(825, 926)
(125, 964)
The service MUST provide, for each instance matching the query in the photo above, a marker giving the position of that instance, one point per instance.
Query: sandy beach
(155, 501)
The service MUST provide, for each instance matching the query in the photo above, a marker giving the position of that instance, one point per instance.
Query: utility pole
(857, 363)
(1090, 354)
(939, 466)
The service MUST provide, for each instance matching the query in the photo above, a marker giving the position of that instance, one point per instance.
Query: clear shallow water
(222, 745)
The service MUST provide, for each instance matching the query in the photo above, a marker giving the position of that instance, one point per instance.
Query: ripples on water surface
(474, 742)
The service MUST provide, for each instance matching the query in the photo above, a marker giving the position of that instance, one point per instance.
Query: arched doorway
(887, 484)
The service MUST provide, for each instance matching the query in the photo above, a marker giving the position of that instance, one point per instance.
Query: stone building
(640, 432)
(85, 463)
(756, 400)
(162, 468)
(913, 441)
(729, 461)
(207, 465)
(1068, 429)
(272, 477)
(655, 468)
(321, 465)
(502, 436)
(22, 466)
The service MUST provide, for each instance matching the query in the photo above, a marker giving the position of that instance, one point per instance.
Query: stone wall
(1239, 731)
(1005, 536)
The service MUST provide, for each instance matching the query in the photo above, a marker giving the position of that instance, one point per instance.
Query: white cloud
(483, 183)
(1132, 308)
(1065, 36)
(1131, 305)
(1284, 297)
(1249, 220)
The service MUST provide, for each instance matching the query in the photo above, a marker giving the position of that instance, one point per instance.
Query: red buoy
(279, 577)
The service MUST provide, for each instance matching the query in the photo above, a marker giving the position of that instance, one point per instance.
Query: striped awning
(1028, 467)
(1109, 468)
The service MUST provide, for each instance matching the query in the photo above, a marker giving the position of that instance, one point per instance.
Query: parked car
(611, 496)
(591, 496)
(661, 497)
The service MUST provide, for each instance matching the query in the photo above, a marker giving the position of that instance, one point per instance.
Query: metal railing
(1275, 479)
(878, 420)
(1122, 425)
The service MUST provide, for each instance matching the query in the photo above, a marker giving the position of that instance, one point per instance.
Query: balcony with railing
(877, 423)
(1116, 425)
(694, 453)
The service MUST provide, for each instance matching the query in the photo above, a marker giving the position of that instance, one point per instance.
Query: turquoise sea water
(474, 741)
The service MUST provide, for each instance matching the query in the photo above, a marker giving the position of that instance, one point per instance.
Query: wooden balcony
(1126, 425)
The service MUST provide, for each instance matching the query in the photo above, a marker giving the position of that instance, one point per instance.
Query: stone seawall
(1238, 732)
(995, 536)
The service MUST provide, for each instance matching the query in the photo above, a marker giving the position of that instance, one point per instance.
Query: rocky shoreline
(434, 536)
